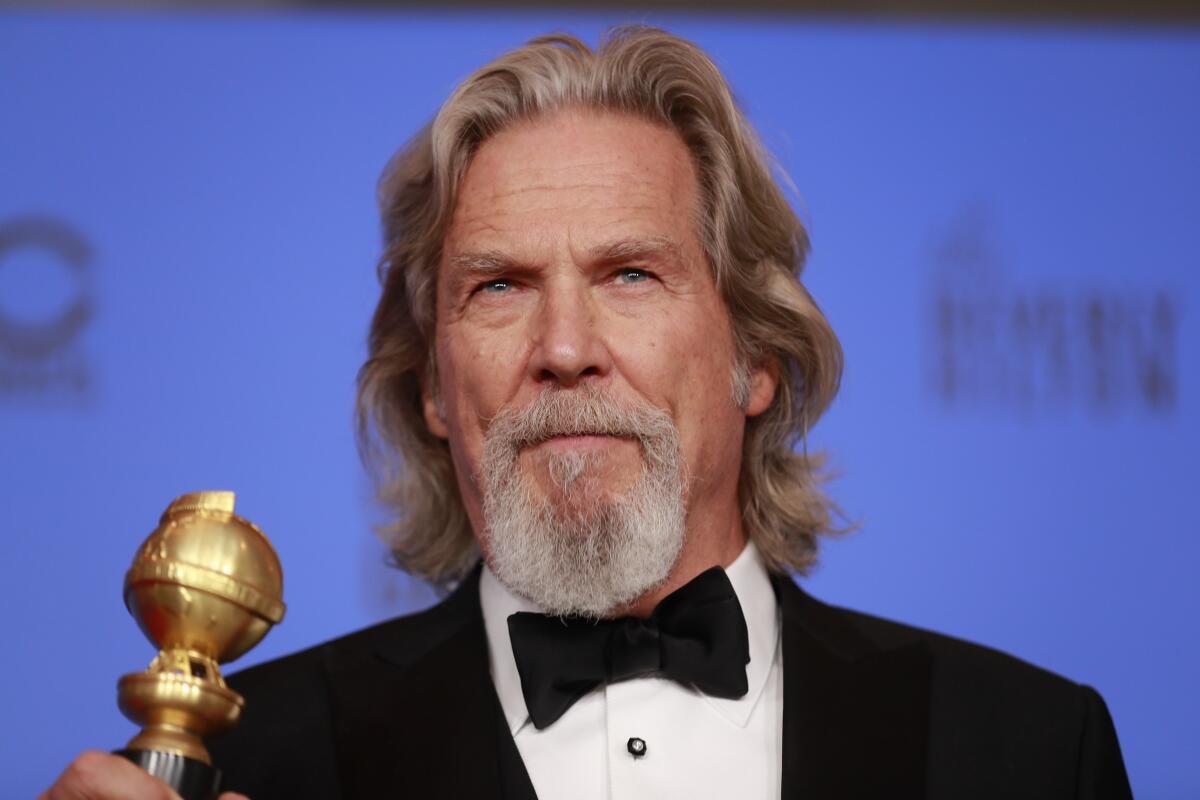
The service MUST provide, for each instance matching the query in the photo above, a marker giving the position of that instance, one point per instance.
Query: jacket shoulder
(284, 745)
(999, 724)
(408, 637)
(966, 665)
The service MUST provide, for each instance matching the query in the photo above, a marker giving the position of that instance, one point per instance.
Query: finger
(104, 776)
(232, 796)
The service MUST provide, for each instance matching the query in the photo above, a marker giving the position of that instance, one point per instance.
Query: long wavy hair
(754, 244)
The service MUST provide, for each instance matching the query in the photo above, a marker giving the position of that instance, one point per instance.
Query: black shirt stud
(636, 747)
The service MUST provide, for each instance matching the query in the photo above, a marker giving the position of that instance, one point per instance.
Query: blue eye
(631, 275)
(497, 286)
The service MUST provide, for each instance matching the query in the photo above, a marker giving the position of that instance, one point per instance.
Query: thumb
(232, 796)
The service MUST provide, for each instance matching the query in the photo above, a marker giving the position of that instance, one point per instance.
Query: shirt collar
(750, 581)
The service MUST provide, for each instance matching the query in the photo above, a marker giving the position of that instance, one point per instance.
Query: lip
(579, 442)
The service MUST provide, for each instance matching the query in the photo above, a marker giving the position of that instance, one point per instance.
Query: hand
(103, 776)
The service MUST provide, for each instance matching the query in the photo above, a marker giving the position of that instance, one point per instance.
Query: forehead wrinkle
(545, 176)
(620, 178)
(521, 199)
(492, 224)
(501, 193)
(557, 179)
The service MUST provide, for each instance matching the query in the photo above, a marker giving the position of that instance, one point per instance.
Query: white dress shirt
(696, 746)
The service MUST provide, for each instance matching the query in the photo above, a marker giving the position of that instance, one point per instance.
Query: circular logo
(45, 291)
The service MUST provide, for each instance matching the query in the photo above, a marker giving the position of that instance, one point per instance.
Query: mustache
(573, 547)
(580, 411)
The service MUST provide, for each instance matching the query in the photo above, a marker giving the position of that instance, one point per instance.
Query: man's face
(573, 263)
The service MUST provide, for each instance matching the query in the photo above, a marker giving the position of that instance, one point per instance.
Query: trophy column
(204, 587)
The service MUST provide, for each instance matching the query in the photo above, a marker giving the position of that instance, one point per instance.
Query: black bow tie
(696, 635)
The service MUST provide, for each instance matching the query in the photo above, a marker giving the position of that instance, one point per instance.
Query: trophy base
(191, 779)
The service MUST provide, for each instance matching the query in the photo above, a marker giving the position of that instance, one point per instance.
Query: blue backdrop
(1004, 227)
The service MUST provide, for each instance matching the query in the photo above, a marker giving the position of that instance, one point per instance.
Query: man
(593, 359)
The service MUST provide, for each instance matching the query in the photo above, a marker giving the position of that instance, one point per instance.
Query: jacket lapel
(855, 716)
(418, 716)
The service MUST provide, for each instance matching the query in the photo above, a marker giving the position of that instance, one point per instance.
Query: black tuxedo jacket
(407, 709)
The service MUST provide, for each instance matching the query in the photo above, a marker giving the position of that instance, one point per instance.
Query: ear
(764, 380)
(435, 412)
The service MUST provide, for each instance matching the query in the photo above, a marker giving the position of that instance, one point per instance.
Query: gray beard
(582, 553)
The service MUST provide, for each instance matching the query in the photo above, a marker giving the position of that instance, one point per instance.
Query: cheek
(689, 357)
(676, 358)
(478, 377)
(710, 423)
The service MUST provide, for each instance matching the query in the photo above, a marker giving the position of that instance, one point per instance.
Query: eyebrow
(494, 262)
(655, 248)
(483, 265)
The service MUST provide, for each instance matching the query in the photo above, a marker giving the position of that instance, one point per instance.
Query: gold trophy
(205, 587)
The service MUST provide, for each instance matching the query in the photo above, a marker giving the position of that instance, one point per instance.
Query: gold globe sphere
(205, 587)
(205, 580)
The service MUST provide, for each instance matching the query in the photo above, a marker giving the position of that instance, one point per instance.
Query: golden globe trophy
(205, 587)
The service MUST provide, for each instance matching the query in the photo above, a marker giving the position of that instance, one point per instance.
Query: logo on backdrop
(47, 302)
(1030, 348)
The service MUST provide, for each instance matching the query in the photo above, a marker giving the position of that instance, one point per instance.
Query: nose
(568, 344)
